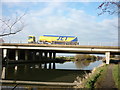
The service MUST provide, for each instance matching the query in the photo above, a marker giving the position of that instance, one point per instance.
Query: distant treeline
(86, 57)
(81, 57)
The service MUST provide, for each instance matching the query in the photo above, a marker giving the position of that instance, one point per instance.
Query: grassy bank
(116, 75)
(101, 77)
(91, 83)
(98, 78)
(90, 80)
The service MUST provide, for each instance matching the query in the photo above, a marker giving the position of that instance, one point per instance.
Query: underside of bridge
(17, 52)
(33, 54)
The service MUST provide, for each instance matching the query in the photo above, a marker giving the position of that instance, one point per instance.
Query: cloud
(58, 0)
(56, 18)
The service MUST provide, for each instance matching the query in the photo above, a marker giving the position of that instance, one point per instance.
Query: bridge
(49, 51)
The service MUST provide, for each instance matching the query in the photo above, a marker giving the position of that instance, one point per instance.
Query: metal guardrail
(83, 43)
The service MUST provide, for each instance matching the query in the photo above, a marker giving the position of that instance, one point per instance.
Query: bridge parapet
(81, 43)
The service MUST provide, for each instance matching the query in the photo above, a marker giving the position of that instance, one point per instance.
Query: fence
(80, 43)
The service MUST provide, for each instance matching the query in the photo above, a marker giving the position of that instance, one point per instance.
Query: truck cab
(31, 39)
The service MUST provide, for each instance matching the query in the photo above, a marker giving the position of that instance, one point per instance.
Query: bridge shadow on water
(41, 72)
(115, 61)
(44, 72)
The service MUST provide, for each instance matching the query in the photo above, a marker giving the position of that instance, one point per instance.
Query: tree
(109, 7)
(12, 25)
(85, 57)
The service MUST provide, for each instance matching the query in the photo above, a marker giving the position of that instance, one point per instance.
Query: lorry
(54, 39)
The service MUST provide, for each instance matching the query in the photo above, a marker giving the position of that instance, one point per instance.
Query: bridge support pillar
(45, 65)
(4, 53)
(16, 55)
(107, 54)
(34, 55)
(40, 55)
(46, 54)
(54, 55)
(26, 54)
(53, 65)
(50, 56)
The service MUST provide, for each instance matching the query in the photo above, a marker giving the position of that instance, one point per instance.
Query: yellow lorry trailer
(55, 39)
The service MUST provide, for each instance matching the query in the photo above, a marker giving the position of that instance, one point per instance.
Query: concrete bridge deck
(57, 45)
(45, 48)
(64, 48)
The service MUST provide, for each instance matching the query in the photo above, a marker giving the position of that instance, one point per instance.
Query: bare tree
(12, 25)
(109, 7)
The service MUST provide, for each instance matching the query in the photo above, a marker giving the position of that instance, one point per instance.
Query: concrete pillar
(107, 55)
(54, 55)
(3, 73)
(16, 55)
(40, 55)
(4, 53)
(34, 55)
(26, 54)
(50, 55)
(43, 54)
(45, 66)
(46, 54)
(16, 68)
(53, 65)
(49, 65)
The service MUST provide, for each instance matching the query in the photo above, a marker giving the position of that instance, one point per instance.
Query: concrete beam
(50, 55)
(49, 65)
(40, 55)
(107, 55)
(4, 53)
(3, 73)
(16, 55)
(46, 54)
(54, 55)
(26, 54)
(34, 55)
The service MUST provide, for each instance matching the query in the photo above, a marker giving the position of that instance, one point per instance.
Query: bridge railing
(81, 43)
(100, 43)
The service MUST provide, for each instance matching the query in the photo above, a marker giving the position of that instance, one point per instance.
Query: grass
(98, 76)
(116, 75)
(102, 76)
(90, 81)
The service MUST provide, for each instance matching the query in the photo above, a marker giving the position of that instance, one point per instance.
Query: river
(50, 72)
(67, 72)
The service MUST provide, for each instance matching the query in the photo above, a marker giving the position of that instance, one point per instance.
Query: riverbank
(116, 75)
(104, 76)
(89, 80)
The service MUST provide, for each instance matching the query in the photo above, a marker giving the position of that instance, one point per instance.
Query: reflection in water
(42, 73)
(79, 65)
(87, 64)
(82, 64)
(50, 72)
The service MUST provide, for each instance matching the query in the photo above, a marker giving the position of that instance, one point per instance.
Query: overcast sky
(63, 18)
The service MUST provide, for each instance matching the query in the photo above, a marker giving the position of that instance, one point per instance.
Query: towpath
(107, 81)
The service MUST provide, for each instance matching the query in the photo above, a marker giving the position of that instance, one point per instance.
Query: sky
(62, 18)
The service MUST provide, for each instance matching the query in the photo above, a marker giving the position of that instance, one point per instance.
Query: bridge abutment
(4, 53)
(26, 54)
(107, 57)
(16, 55)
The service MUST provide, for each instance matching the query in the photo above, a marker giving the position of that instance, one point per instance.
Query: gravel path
(108, 81)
